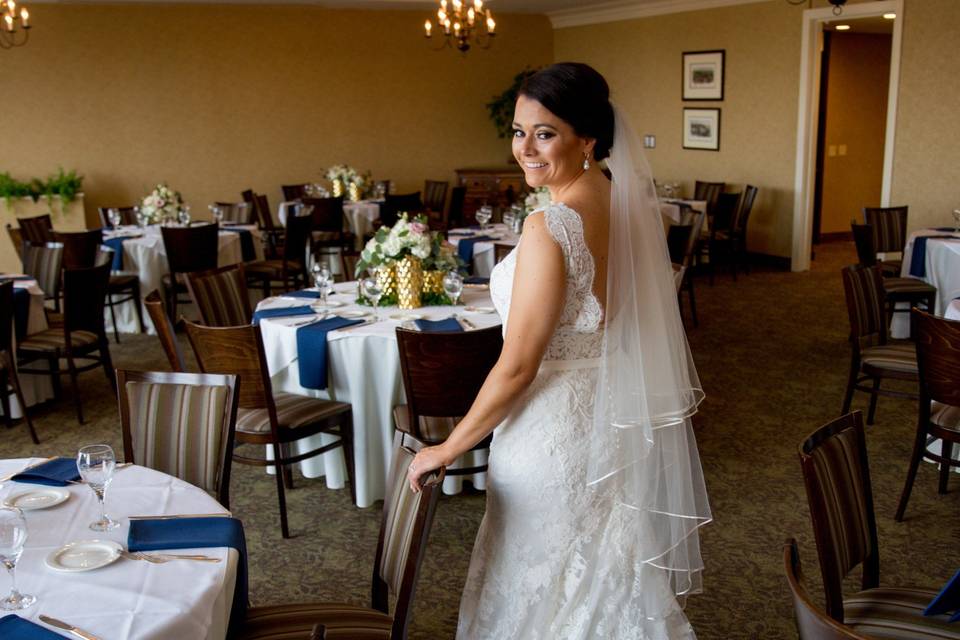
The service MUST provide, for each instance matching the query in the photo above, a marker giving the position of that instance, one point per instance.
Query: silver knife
(60, 624)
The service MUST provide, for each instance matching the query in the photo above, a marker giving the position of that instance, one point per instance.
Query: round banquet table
(144, 255)
(364, 371)
(36, 388)
(358, 218)
(128, 598)
(941, 269)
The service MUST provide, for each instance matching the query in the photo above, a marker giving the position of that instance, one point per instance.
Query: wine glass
(96, 463)
(483, 215)
(183, 216)
(113, 217)
(956, 220)
(509, 217)
(140, 216)
(13, 535)
(453, 286)
(373, 292)
(217, 212)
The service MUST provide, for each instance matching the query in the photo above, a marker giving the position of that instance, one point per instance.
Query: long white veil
(647, 388)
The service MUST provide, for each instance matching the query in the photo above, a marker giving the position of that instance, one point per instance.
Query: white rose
(392, 246)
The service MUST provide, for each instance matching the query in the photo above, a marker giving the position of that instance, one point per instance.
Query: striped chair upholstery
(43, 262)
(221, 296)
(293, 411)
(897, 357)
(889, 225)
(896, 612)
(52, 339)
(181, 424)
(400, 509)
(864, 289)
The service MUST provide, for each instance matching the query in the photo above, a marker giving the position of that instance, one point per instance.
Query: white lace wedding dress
(552, 559)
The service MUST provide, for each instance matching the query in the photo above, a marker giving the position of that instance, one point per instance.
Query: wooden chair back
(221, 296)
(293, 191)
(404, 529)
(708, 191)
(863, 240)
(458, 196)
(394, 205)
(327, 214)
(682, 239)
(725, 212)
(938, 358)
(237, 212)
(837, 480)
(443, 372)
(263, 212)
(812, 622)
(16, 239)
(6, 319)
(348, 264)
(297, 238)
(182, 424)
(37, 230)
(863, 290)
(889, 226)
(168, 338)
(746, 207)
(79, 247)
(235, 350)
(435, 194)
(501, 250)
(84, 298)
(43, 262)
(128, 216)
(191, 248)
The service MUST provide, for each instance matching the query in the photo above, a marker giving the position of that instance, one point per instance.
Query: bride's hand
(427, 460)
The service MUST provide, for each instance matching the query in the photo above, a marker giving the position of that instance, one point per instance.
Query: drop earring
(586, 163)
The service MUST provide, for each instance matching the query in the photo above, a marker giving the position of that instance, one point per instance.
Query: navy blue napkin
(303, 294)
(55, 473)
(448, 325)
(197, 533)
(282, 312)
(13, 627)
(476, 280)
(947, 600)
(465, 247)
(21, 312)
(918, 260)
(117, 245)
(247, 250)
(312, 350)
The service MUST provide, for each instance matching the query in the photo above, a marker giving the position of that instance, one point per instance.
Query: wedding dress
(554, 558)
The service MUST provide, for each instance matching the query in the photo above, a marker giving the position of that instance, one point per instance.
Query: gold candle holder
(409, 282)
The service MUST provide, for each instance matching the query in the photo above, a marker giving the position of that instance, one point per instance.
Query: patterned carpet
(772, 354)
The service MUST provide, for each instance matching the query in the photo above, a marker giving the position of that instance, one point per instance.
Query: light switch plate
(649, 141)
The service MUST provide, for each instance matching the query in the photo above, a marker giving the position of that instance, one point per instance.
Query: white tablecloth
(36, 388)
(364, 370)
(484, 257)
(942, 266)
(128, 598)
(358, 217)
(145, 255)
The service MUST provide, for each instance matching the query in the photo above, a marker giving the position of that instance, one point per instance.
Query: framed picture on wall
(701, 129)
(703, 75)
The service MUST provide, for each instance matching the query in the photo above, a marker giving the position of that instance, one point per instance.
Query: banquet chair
(165, 332)
(435, 200)
(128, 216)
(9, 380)
(912, 291)
(873, 358)
(82, 333)
(237, 212)
(43, 263)
(812, 622)
(733, 239)
(938, 364)
(188, 249)
(836, 475)
(16, 239)
(889, 227)
(328, 235)
(458, 196)
(290, 270)
(394, 205)
(404, 529)
(182, 424)
(682, 242)
(293, 191)
(439, 387)
(348, 264)
(37, 230)
(221, 296)
(708, 192)
(268, 418)
(272, 233)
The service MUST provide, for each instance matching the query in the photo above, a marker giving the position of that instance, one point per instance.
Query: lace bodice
(579, 334)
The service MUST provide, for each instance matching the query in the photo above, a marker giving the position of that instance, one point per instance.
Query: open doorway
(854, 84)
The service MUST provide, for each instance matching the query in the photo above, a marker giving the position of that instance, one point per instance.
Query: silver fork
(163, 558)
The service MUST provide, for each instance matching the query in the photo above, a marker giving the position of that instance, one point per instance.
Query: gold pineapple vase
(387, 280)
(337, 188)
(409, 282)
(433, 282)
(353, 192)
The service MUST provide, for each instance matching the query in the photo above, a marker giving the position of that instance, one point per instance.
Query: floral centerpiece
(536, 200)
(163, 203)
(346, 180)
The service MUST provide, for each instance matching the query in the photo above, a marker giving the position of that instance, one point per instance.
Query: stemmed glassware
(183, 216)
(956, 220)
(453, 286)
(113, 217)
(483, 215)
(13, 535)
(141, 218)
(372, 291)
(323, 280)
(217, 212)
(96, 463)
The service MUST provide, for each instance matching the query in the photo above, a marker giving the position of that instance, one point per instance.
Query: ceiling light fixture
(463, 25)
(842, 27)
(837, 4)
(14, 25)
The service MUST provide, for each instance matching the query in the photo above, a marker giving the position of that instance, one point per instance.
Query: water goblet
(509, 217)
(956, 220)
(373, 293)
(217, 212)
(113, 217)
(140, 216)
(183, 216)
(96, 463)
(453, 286)
(483, 215)
(13, 535)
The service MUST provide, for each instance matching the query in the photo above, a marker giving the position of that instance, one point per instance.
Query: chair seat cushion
(896, 612)
(342, 622)
(907, 285)
(431, 429)
(53, 339)
(293, 411)
(945, 415)
(893, 357)
(890, 266)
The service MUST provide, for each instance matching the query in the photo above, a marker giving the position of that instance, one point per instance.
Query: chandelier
(463, 25)
(12, 35)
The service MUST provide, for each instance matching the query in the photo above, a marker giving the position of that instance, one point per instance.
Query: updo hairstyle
(577, 94)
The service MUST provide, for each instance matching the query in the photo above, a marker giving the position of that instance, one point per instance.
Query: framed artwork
(703, 75)
(701, 129)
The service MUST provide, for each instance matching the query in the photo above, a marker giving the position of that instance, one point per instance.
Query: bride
(595, 492)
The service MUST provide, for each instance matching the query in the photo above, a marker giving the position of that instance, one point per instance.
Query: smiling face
(548, 149)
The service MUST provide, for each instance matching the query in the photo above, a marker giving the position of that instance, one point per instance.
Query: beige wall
(858, 81)
(218, 98)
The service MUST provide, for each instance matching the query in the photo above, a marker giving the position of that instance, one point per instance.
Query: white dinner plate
(407, 316)
(472, 309)
(353, 314)
(330, 303)
(37, 498)
(84, 555)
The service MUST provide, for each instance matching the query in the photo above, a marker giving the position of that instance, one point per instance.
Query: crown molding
(631, 9)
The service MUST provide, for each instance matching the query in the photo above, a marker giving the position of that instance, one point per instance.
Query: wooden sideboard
(498, 187)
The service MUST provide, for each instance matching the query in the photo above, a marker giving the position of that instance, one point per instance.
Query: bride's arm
(539, 291)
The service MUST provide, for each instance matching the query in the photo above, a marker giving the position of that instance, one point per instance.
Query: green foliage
(62, 184)
(501, 107)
